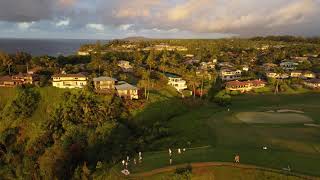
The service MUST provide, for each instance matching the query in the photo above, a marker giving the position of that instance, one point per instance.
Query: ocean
(39, 47)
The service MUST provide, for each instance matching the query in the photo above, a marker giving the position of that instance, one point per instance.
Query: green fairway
(273, 118)
(224, 135)
(222, 173)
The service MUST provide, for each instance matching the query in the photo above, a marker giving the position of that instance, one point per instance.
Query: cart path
(209, 164)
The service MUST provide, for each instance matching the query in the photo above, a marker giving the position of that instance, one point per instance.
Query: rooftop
(104, 78)
(126, 86)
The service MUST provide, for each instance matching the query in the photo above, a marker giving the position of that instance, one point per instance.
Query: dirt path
(209, 164)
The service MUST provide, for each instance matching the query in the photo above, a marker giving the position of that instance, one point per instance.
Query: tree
(144, 82)
(6, 60)
(193, 81)
(163, 61)
(23, 106)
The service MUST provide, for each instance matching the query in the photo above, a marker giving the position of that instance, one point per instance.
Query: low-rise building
(288, 65)
(245, 86)
(207, 65)
(245, 68)
(177, 82)
(125, 66)
(126, 90)
(308, 75)
(296, 74)
(19, 79)
(69, 80)
(269, 66)
(104, 83)
(312, 83)
(230, 74)
(276, 75)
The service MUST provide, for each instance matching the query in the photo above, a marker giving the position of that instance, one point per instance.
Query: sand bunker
(273, 118)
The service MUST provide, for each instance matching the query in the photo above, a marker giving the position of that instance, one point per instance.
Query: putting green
(273, 118)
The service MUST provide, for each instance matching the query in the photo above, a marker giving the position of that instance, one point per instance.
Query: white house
(126, 90)
(177, 82)
(230, 74)
(312, 83)
(125, 66)
(70, 81)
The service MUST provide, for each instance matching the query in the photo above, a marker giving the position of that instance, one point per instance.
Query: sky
(110, 19)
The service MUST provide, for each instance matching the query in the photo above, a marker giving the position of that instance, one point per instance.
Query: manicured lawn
(209, 125)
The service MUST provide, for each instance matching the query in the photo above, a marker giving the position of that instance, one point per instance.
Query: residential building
(83, 53)
(296, 74)
(162, 47)
(189, 56)
(104, 83)
(19, 79)
(308, 75)
(208, 65)
(127, 91)
(288, 65)
(69, 81)
(312, 83)
(269, 66)
(177, 82)
(245, 68)
(277, 75)
(245, 86)
(125, 66)
(230, 74)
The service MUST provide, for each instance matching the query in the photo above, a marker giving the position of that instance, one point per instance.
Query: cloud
(242, 17)
(125, 27)
(97, 27)
(65, 22)
(25, 25)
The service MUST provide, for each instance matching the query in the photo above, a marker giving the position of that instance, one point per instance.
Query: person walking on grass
(237, 159)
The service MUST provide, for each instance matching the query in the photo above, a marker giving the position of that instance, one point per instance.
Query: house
(288, 65)
(296, 74)
(69, 80)
(245, 68)
(225, 65)
(269, 66)
(104, 83)
(125, 66)
(312, 83)
(276, 75)
(308, 75)
(83, 53)
(177, 82)
(162, 47)
(189, 56)
(19, 79)
(245, 86)
(126, 90)
(299, 59)
(207, 65)
(230, 74)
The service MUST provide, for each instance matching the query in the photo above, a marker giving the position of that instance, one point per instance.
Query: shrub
(184, 170)
(23, 106)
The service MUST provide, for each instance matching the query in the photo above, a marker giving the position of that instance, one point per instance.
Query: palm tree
(163, 61)
(6, 60)
(193, 81)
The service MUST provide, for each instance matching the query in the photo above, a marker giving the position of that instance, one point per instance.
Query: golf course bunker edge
(273, 118)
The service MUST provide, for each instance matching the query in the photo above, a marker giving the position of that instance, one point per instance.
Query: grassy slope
(213, 126)
(32, 127)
